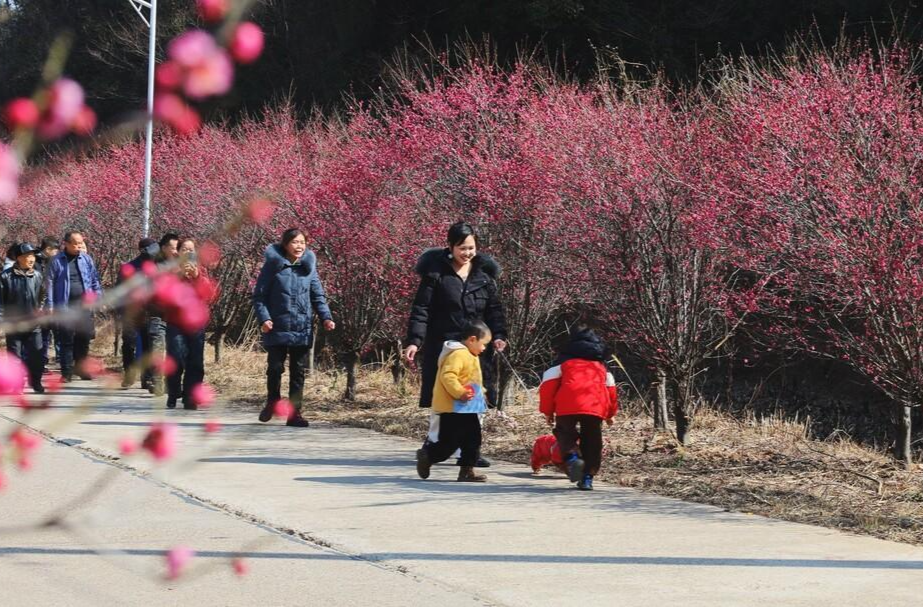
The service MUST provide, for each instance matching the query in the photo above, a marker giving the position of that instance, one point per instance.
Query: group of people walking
(38, 281)
(456, 326)
(147, 336)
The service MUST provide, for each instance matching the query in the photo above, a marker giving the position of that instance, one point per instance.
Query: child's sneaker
(574, 467)
(586, 484)
(423, 463)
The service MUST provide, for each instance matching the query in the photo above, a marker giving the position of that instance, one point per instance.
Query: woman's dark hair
(50, 241)
(475, 328)
(290, 235)
(459, 232)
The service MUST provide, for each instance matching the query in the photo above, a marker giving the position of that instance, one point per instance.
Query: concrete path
(337, 516)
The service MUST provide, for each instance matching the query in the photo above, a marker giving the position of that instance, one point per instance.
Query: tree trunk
(397, 371)
(661, 414)
(902, 446)
(681, 410)
(219, 343)
(351, 362)
(503, 387)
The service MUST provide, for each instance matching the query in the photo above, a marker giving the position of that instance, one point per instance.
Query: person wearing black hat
(21, 295)
(136, 340)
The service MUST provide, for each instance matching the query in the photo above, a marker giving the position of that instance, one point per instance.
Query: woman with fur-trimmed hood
(287, 296)
(457, 285)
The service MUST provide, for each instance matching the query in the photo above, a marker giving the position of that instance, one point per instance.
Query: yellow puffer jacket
(458, 367)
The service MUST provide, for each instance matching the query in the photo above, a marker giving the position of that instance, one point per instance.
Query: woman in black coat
(457, 286)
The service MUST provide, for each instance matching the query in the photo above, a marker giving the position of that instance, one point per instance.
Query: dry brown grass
(763, 466)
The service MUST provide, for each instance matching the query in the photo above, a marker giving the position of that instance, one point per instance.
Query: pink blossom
(165, 365)
(178, 558)
(127, 445)
(241, 567)
(202, 395)
(247, 42)
(3, 481)
(21, 113)
(212, 11)
(149, 268)
(283, 408)
(211, 426)
(160, 441)
(209, 254)
(9, 174)
(259, 210)
(53, 383)
(92, 366)
(25, 441)
(170, 109)
(192, 318)
(65, 102)
(12, 375)
(168, 76)
(207, 68)
(85, 122)
(127, 271)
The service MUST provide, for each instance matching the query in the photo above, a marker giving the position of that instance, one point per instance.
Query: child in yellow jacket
(458, 398)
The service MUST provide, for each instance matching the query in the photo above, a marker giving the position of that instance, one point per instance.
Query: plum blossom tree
(823, 159)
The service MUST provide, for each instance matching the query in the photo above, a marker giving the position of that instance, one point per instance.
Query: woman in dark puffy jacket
(288, 294)
(457, 285)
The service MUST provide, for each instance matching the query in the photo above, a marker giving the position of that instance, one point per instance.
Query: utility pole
(151, 21)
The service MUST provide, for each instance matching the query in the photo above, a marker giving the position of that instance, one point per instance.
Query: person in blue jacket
(288, 294)
(70, 280)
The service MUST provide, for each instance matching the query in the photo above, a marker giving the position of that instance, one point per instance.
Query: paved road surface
(336, 516)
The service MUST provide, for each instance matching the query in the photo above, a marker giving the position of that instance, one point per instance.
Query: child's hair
(476, 328)
(50, 241)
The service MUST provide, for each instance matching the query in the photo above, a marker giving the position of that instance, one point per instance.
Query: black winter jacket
(445, 303)
(21, 293)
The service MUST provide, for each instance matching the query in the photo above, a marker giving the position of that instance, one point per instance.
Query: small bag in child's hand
(476, 404)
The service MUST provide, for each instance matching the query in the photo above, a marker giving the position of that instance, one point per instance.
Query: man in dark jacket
(136, 339)
(71, 279)
(21, 295)
(49, 248)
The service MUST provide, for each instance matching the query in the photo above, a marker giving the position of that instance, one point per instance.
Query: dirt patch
(767, 466)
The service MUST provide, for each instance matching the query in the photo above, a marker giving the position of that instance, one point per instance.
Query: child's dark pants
(590, 433)
(457, 430)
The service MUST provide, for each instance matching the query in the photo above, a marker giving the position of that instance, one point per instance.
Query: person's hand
(410, 354)
(609, 422)
(500, 345)
(550, 419)
(329, 325)
(266, 327)
(468, 395)
(191, 270)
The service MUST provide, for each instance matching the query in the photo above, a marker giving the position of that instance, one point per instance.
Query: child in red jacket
(576, 395)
